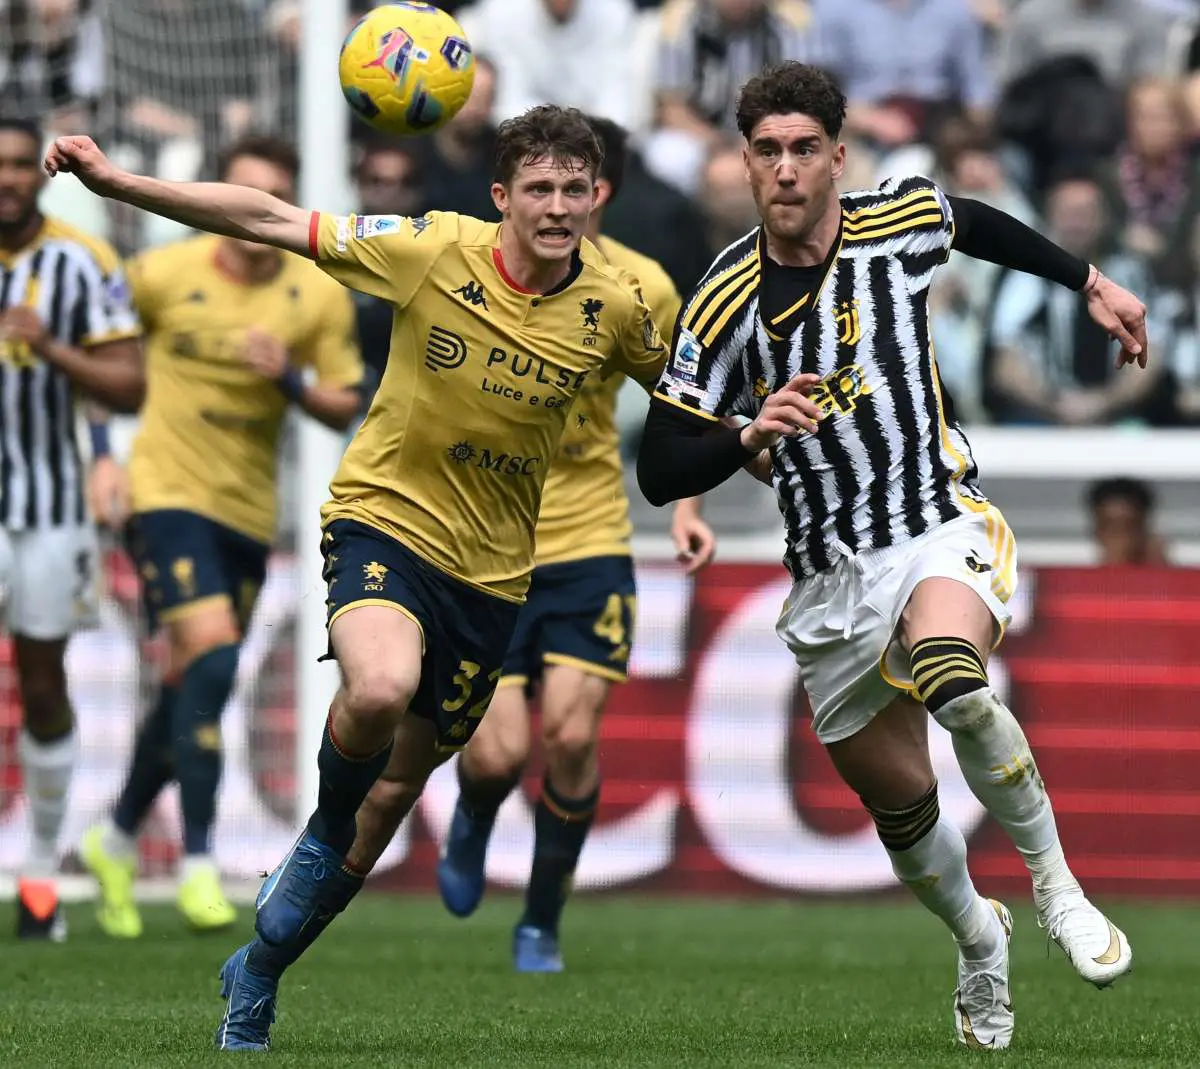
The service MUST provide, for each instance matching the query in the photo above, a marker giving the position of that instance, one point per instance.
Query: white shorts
(49, 581)
(841, 625)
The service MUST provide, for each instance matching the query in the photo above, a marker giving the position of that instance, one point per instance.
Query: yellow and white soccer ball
(406, 68)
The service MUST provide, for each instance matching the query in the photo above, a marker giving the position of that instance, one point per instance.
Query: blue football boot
(460, 873)
(249, 1008)
(536, 950)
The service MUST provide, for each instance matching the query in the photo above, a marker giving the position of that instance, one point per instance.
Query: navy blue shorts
(186, 560)
(580, 613)
(464, 631)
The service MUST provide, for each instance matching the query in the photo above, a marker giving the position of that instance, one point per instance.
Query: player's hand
(784, 414)
(265, 354)
(24, 324)
(108, 493)
(81, 156)
(1121, 314)
(695, 543)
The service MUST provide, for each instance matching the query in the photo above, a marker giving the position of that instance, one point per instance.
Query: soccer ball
(406, 68)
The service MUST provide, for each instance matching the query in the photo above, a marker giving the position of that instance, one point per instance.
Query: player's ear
(839, 161)
(500, 198)
(601, 193)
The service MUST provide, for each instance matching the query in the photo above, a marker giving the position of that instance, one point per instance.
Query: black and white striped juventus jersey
(888, 461)
(75, 284)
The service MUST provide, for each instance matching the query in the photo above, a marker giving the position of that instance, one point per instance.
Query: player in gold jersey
(231, 326)
(429, 534)
(573, 637)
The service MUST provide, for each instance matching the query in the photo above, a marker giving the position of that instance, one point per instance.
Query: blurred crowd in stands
(1081, 117)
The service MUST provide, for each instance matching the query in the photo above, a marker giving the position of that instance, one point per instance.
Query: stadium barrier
(713, 781)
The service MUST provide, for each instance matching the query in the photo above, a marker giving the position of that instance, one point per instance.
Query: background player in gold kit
(429, 534)
(230, 327)
(573, 637)
(66, 328)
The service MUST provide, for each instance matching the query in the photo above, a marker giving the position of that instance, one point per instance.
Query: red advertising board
(713, 781)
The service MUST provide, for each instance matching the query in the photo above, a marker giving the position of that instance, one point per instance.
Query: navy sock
(153, 764)
(207, 683)
(481, 799)
(269, 959)
(560, 827)
(346, 779)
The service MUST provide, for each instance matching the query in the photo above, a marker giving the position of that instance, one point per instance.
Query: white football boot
(983, 1013)
(1096, 947)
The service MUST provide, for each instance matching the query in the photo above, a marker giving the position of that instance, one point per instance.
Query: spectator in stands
(1151, 184)
(1124, 39)
(1179, 312)
(575, 53)
(1049, 362)
(388, 179)
(725, 197)
(904, 65)
(458, 158)
(1122, 514)
(708, 49)
(967, 164)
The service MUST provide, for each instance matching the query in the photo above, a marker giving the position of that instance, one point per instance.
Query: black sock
(560, 827)
(345, 781)
(481, 799)
(153, 765)
(207, 683)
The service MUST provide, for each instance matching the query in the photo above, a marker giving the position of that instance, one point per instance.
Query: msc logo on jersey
(472, 293)
(507, 464)
(839, 393)
(685, 364)
(374, 575)
(849, 327)
(444, 350)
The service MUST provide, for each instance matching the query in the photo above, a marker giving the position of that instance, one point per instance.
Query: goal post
(324, 184)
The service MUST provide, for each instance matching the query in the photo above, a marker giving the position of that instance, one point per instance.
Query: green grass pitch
(651, 982)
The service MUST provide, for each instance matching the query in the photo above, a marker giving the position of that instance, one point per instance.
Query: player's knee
(496, 756)
(378, 697)
(570, 743)
(944, 670)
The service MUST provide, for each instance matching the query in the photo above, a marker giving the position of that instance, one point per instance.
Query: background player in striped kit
(572, 637)
(815, 326)
(66, 327)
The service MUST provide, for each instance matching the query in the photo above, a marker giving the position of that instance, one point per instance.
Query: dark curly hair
(792, 88)
(562, 135)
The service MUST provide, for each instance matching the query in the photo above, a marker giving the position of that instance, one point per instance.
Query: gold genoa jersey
(585, 512)
(479, 383)
(76, 286)
(210, 425)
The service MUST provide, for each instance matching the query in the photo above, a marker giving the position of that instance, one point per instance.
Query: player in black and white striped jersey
(66, 329)
(815, 327)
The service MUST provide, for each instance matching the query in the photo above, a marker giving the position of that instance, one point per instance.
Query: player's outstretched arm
(987, 233)
(218, 207)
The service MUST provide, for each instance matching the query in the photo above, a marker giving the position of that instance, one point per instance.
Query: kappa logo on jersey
(371, 226)
(196, 297)
(444, 350)
(420, 224)
(849, 326)
(839, 393)
(473, 293)
(685, 364)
